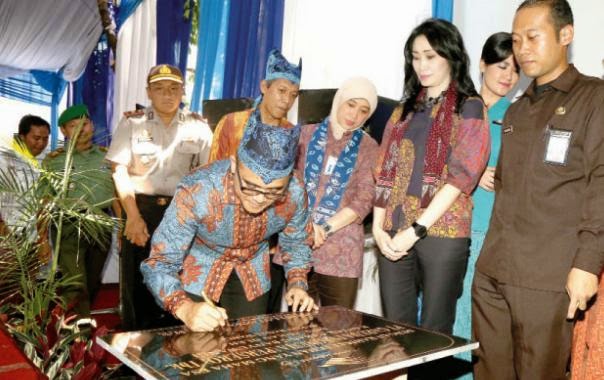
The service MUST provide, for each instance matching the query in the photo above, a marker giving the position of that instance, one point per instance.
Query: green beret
(73, 112)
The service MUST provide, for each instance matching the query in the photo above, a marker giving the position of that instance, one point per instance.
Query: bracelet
(298, 284)
(328, 228)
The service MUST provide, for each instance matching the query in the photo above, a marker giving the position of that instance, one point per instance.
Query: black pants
(139, 309)
(234, 301)
(332, 290)
(275, 295)
(436, 266)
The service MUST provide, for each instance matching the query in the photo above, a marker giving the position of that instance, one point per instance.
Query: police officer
(92, 184)
(151, 151)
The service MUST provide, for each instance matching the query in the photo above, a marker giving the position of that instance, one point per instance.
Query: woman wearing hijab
(335, 159)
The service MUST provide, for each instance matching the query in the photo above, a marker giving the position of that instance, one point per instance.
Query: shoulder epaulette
(134, 114)
(55, 153)
(198, 117)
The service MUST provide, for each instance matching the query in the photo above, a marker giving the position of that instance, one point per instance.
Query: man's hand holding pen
(202, 316)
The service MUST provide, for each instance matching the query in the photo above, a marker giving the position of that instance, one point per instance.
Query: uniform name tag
(330, 165)
(507, 129)
(145, 136)
(556, 146)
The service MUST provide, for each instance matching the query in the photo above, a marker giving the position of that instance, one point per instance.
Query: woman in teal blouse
(499, 75)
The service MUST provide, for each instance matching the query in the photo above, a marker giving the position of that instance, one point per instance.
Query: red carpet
(105, 310)
(105, 307)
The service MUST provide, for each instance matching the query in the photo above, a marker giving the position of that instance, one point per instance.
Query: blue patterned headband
(268, 151)
(279, 67)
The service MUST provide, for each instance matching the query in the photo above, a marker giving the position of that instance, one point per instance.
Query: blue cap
(268, 151)
(279, 67)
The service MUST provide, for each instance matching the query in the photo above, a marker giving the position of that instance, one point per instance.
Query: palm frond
(43, 205)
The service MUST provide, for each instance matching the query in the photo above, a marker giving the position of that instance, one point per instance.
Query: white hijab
(353, 88)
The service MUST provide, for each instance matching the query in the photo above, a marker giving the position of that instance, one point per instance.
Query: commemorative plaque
(333, 343)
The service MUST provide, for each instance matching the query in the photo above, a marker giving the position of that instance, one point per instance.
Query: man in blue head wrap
(214, 235)
(279, 91)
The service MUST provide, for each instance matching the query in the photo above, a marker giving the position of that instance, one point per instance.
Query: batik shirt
(206, 234)
(468, 155)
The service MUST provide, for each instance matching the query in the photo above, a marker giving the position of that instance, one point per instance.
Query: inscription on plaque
(328, 344)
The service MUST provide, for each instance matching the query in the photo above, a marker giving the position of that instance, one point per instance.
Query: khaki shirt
(158, 156)
(90, 178)
(549, 217)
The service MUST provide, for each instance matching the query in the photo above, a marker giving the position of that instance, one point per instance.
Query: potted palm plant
(58, 342)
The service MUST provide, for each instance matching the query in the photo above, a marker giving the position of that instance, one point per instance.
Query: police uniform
(157, 157)
(92, 183)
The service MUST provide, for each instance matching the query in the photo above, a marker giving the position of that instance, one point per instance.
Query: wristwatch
(420, 231)
(327, 228)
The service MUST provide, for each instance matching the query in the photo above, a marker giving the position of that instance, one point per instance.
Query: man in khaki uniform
(151, 152)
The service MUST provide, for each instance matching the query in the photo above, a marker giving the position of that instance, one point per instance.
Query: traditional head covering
(279, 67)
(353, 88)
(267, 150)
(164, 72)
(74, 112)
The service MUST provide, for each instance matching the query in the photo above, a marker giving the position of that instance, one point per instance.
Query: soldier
(151, 151)
(91, 183)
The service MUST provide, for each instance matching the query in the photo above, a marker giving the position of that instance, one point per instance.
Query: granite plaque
(333, 343)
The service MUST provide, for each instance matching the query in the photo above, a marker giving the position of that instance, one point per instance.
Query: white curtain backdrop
(48, 35)
(338, 39)
(136, 54)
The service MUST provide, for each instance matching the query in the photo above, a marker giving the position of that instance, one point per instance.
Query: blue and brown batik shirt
(206, 234)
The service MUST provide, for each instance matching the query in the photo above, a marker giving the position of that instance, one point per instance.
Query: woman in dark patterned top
(434, 150)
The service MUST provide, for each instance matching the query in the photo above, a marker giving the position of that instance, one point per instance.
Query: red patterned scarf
(437, 148)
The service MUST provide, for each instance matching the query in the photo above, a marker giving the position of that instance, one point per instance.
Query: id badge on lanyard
(330, 165)
(557, 143)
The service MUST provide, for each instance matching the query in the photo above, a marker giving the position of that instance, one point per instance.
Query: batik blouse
(467, 157)
(342, 253)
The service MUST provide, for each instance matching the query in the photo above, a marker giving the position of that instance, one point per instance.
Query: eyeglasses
(253, 192)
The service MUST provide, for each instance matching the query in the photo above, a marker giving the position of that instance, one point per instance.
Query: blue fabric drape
(443, 9)
(126, 8)
(173, 32)
(255, 27)
(95, 89)
(211, 48)
(33, 87)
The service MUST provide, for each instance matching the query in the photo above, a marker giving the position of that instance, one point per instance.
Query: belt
(160, 200)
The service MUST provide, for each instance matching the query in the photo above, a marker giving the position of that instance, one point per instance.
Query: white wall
(587, 51)
(338, 39)
(478, 19)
